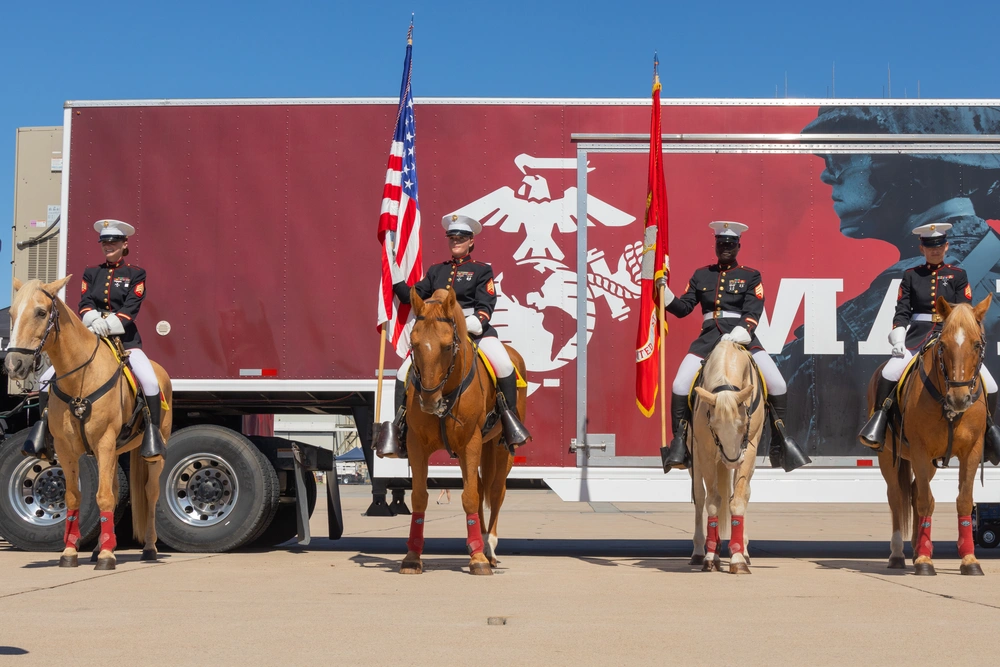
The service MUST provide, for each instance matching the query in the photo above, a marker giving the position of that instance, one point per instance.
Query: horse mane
(27, 289)
(961, 318)
(721, 368)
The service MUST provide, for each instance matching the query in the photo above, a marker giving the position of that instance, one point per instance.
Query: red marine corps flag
(399, 220)
(655, 262)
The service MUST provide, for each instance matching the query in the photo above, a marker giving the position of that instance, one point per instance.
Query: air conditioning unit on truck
(257, 223)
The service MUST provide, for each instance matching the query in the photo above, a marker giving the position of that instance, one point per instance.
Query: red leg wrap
(475, 541)
(965, 544)
(71, 533)
(736, 540)
(416, 541)
(712, 539)
(108, 540)
(924, 545)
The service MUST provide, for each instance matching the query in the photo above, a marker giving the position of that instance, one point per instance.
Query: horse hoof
(480, 569)
(973, 569)
(411, 567)
(738, 568)
(709, 565)
(148, 555)
(924, 570)
(696, 560)
(68, 561)
(897, 563)
(105, 564)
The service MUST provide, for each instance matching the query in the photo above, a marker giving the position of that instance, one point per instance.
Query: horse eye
(39, 312)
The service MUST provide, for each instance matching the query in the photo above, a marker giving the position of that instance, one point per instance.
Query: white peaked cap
(461, 223)
(728, 228)
(114, 228)
(932, 230)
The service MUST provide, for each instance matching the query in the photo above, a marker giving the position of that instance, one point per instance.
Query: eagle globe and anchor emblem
(538, 314)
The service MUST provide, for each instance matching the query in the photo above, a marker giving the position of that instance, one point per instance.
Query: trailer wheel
(216, 490)
(33, 501)
(988, 537)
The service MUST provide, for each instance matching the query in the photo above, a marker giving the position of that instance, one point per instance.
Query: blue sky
(55, 51)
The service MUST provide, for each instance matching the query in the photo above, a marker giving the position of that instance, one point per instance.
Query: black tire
(988, 537)
(39, 526)
(283, 526)
(217, 489)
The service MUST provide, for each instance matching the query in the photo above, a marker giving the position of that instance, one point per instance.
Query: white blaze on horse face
(960, 338)
(16, 323)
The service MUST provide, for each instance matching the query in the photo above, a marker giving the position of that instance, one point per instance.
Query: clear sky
(56, 51)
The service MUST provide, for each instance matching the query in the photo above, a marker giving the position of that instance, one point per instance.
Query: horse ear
(982, 307)
(705, 395)
(944, 307)
(56, 285)
(450, 301)
(744, 394)
(17, 284)
(415, 301)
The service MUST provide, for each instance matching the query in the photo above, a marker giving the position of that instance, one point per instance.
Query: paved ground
(578, 584)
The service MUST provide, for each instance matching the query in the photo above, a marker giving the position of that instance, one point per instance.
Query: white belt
(716, 314)
(926, 317)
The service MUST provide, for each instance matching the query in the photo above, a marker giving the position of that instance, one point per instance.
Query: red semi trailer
(257, 226)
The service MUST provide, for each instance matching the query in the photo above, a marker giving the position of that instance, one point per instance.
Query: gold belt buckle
(936, 318)
(716, 314)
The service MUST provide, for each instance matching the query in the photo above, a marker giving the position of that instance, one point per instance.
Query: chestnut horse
(943, 409)
(728, 421)
(447, 405)
(41, 322)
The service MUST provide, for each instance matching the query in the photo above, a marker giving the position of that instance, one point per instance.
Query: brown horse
(728, 421)
(943, 415)
(447, 407)
(41, 322)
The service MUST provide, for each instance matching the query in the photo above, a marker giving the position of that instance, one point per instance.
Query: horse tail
(138, 476)
(904, 477)
(725, 481)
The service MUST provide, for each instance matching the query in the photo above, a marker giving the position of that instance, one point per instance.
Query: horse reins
(51, 325)
(746, 435)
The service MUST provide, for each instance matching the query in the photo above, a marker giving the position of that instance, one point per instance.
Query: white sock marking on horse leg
(737, 558)
(896, 545)
(493, 541)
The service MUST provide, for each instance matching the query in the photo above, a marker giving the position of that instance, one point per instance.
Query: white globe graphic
(537, 315)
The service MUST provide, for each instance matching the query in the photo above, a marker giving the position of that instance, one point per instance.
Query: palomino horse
(41, 322)
(728, 420)
(943, 415)
(455, 394)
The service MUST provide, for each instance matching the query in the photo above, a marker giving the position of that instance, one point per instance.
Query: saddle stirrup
(789, 456)
(991, 440)
(514, 432)
(39, 441)
(873, 433)
(389, 439)
(676, 455)
(153, 445)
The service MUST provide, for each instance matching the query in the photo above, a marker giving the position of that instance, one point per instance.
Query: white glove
(668, 296)
(101, 327)
(897, 338)
(474, 325)
(115, 325)
(395, 272)
(738, 335)
(89, 317)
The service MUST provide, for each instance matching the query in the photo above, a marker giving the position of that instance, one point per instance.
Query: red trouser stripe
(736, 540)
(924, 545)
(71, 532)
(416, 541)
(475, 541)
(108, 541)
(712, 539)
(965, 545)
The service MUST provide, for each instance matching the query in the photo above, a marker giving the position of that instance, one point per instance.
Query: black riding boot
(514, 432)
(783, 451)
(152, 440)
(676, 455)
(991, 443)
(873, 434)
(390, 437)
(39, 442)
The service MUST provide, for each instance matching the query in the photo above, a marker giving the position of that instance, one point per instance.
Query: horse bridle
(948, 382)
(455, 345)
(746, 434)
(52, 325)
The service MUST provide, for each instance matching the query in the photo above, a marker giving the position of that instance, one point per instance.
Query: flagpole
(663, 367)
(381, 369)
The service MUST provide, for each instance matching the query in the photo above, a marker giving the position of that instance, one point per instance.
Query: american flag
(399, 221)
